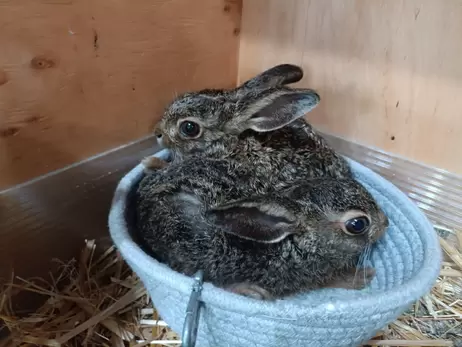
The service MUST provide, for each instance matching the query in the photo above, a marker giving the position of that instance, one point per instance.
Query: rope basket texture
(407, 261)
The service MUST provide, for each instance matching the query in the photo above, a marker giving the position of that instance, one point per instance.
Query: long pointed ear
(272, 109)
(277, 76)
(255, 219)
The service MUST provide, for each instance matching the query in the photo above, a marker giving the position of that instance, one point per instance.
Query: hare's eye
(190, 129)
(357, 226)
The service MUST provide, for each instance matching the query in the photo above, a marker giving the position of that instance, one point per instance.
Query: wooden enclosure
(389, 72)
(78, 77)
(81, 77)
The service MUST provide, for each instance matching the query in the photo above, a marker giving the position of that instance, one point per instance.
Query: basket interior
(407, 261)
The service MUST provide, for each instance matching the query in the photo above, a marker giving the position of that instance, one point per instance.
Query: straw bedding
(97, 300)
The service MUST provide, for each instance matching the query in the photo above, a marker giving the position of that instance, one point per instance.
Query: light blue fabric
(407, 261)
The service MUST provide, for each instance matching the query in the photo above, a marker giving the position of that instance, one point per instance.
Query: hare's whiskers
(362, 263)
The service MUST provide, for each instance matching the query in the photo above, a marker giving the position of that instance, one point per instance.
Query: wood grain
(389, 72)
(78, 77)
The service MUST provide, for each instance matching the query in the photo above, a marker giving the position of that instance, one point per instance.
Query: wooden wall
(389, 72)
(78, 77)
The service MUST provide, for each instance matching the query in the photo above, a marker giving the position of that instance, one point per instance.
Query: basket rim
(382, 301)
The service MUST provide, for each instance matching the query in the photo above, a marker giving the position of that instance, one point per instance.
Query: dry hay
(104, 304)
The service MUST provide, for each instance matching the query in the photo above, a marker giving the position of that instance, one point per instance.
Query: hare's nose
(158, 133)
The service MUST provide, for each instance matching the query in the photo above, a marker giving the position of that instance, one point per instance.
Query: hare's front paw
(250, 290)
(153, 163)
(358, 278)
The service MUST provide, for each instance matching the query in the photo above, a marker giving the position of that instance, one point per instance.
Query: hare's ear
(277, 76)
(255, 219)
(272, 109)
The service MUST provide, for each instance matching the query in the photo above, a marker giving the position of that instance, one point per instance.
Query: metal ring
(191, 322)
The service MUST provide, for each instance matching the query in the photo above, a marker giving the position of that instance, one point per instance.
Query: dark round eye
(190, 129)
(357, 226)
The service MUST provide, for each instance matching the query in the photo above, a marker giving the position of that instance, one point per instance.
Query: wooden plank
(388, 72)
(78, 77)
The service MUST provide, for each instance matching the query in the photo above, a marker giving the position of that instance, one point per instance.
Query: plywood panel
(78, 77)
(389, 72)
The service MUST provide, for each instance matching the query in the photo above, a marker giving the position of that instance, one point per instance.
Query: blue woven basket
(407, 261)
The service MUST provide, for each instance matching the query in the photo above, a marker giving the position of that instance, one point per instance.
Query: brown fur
(259, 197)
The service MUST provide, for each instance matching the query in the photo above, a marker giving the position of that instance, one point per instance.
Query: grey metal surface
(437, 192)
(50, 216)
(191, 322)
